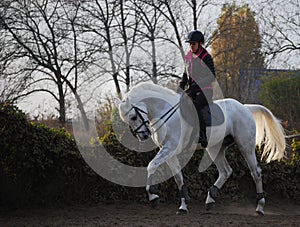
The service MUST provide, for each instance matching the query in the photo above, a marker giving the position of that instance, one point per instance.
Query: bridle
(165, 117)
(144, 122)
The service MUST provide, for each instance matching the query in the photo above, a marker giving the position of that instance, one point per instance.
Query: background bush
(281, 94)
(42, 166)
(39, 165)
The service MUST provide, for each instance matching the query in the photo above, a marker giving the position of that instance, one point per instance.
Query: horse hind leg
(247, 149)
(256, 174)
(225, 171)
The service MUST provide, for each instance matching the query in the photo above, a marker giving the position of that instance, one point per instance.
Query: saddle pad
(213, 115)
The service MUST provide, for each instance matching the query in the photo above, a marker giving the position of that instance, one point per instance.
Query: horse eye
(133, 118)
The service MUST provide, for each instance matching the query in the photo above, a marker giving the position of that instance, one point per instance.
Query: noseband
(144, 122)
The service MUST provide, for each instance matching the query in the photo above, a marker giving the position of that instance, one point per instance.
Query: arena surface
(138, 214)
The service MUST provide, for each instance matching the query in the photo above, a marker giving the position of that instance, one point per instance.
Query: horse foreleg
(162, 156)
(184, 199)
(165, 155)
(175, 167)
(151, 191)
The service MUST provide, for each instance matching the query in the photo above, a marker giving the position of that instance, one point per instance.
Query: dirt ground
(133, 214)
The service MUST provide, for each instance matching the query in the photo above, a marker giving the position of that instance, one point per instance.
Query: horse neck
(157, 106)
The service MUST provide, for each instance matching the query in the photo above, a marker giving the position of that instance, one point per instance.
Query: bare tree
(73, 44)
(198, 10)
(172, 11)
(128, 22)
(99, 21)
(149, 27)
(10, 71)
(161, 27)
(125, 38)
(280, 29)
(10, 87)
(40, 30)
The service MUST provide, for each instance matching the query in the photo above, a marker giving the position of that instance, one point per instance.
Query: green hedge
(39, 165)
(281, 95)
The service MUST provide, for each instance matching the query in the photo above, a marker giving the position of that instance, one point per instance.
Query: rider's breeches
(201, 100)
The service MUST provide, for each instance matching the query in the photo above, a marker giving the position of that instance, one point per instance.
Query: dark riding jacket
(199, 71)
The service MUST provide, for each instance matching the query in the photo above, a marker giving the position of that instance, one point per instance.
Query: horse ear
(117, 101)
(124, 104)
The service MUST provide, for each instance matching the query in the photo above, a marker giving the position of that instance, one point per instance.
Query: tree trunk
(62, 105)
(154, 66)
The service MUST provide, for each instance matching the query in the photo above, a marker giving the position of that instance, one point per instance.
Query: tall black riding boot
(203, 137)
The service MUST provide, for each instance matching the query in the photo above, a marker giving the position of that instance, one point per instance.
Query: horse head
(136, 117)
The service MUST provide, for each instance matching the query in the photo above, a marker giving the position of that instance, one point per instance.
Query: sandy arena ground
(137, 214)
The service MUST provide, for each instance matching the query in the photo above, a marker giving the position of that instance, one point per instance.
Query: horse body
(249, 125)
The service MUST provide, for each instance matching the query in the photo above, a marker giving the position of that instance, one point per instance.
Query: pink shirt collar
(190, 55)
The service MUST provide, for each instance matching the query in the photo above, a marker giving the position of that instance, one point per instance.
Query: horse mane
(147, 86)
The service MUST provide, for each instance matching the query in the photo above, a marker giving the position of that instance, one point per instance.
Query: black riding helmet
(195, 36)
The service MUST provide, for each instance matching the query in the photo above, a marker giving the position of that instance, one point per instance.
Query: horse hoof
(181, 212)
(260, 212)
(154, 202)
(260, 206)
(209, 206)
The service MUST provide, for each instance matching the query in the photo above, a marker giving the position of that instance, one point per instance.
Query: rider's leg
(203, 136)
(200, 102)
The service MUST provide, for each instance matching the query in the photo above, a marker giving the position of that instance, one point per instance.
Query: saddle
(212, 114)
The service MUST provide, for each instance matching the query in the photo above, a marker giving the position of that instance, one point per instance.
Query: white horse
(151, 110)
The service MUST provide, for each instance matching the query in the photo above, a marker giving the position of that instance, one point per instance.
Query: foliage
(236, 46)
(39, 164)
(104, 115)
(296, 147)
(282, 95)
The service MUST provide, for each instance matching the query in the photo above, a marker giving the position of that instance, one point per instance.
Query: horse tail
(269, 132)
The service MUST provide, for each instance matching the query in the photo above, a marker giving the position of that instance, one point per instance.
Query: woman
(199, 74)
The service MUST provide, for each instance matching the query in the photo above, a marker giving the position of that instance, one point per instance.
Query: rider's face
(194, 46)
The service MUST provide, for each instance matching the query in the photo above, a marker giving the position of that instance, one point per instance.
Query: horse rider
(199, 74)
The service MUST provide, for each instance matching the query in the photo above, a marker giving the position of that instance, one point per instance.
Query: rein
(174, 108)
